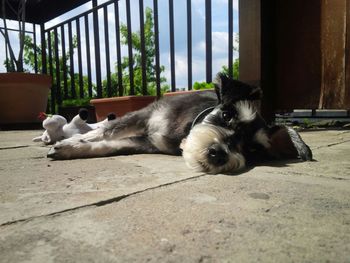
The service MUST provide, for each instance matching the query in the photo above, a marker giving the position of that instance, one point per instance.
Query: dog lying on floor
(215, 133)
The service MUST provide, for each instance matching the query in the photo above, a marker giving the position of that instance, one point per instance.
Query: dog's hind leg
(132, 124)
(286, 142)
(79, 148)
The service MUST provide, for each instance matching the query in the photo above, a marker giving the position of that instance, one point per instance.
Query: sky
(219, 36)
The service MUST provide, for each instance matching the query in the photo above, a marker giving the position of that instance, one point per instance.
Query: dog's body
(227, 137)
(157, 128)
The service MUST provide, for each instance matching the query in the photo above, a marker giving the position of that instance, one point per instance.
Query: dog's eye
(227, 116)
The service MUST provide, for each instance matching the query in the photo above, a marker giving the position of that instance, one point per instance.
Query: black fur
(161, 127)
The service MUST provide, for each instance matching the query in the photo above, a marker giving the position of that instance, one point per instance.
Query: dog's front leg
(75, 148)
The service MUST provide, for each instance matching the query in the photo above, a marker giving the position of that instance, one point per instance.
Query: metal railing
(71, 54)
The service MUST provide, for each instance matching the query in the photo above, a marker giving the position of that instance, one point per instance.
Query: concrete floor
(151, 208)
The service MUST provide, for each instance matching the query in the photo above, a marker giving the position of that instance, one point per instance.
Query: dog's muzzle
(206, 150)
(216, 155)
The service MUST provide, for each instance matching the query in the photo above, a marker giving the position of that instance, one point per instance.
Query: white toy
(57, 128)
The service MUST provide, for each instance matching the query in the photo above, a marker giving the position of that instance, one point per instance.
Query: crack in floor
(100, 203)
(330, 145)
(13, 147)
(291, 173)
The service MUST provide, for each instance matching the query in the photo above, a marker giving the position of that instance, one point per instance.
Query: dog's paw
(69, 149)
(304, 151)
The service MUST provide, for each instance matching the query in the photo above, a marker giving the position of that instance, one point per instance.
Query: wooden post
(333, 46)
(250, 41)
(256, 54)
(347, 57)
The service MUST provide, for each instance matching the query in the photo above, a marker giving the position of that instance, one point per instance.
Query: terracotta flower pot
(120, 105)
(22, 97)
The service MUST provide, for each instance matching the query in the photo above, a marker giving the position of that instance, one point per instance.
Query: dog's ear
(255, 93)
(230, 90)
(285, 142)
(220, 82)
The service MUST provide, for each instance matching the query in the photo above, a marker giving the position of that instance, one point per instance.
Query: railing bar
(189, 44)
(64, 64)
(95, 7)
(97, 50)
(7, 57)
(80, 67)
(108, 63)
(88, 56)
(57, 64)
(50, 53)
(172, 46)
(35, 50)
(208, 41)
(16, 30)
(230, 38)
(156, 45)
(131, 70)
(43, 49)
(71, 59)
(43, 69)
(143, 49)
(53, 95)
(119, 57)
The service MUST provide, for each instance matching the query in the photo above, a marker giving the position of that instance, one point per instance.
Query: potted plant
(120, 105)
(22, 95)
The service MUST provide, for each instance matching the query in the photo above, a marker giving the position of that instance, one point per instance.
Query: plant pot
(69, 112)
(120, 105)
(176, 93)
(22, 97)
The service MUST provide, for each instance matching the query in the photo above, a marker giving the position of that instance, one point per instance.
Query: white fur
(246, 111)
(76, 147)
(97, 125)
(158, 128)
(195, 147)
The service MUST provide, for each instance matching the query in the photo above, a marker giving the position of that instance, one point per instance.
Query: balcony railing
(78, 51)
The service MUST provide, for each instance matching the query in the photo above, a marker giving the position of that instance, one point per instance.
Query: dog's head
(234, 134)
(219, 145)
(212, 149)
(216, 144)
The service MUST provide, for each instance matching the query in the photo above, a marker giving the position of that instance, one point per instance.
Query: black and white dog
(216, 133)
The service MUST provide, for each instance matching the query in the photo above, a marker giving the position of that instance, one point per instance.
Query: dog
(215, 133)
(233, 135)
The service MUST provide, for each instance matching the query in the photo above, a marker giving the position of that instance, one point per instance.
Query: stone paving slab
(151, 208)
(35, 185)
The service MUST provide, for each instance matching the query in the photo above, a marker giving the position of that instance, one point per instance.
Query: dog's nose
(217, 155)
